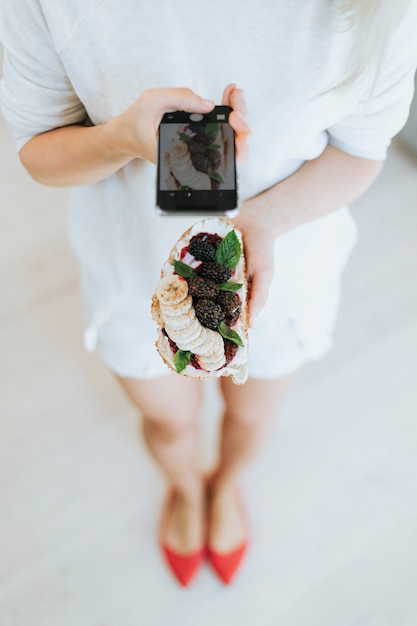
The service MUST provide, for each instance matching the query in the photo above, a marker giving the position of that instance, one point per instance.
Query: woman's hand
(252, 219)
(233, 97)
(259, 252)
(138, 125)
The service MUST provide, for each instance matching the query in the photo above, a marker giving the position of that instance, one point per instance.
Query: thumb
(259, 285)
(183, 99)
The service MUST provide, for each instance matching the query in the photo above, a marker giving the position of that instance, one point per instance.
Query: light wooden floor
(332, 499)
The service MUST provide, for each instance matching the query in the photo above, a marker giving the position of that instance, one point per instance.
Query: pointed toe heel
(184, 567)
(226, 564)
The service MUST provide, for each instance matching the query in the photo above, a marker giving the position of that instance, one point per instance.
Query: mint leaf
(214, 146)
(215, 175)
(212, 129)
(230, 286)
(181, 360)
(186, 138)
(228, 333)
(182, 269)
(229, 251)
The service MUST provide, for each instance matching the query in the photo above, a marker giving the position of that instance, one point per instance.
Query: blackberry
(215, 157)
(199, 287)
(200, 162)
(214, 271)
(195, 147)
(230, 349)
(209, 313)
(203, 138)
(230, 303)
(202, 250)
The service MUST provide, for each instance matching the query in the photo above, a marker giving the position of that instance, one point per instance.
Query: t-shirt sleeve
(367, 130)
(36, 95)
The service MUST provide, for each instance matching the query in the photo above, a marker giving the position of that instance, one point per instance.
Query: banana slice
(210, 344)
(183, 336)
(210, 365)
(172, 289)
(183, 168)
(216, 354)
(174, 310)
(210, 362)
(194, 345)
(178, 322)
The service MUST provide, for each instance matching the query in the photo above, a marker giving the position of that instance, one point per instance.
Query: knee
(169, 427)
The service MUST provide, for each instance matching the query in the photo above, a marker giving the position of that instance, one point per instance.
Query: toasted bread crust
(238, 367)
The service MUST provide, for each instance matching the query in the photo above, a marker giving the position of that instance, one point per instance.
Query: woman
(327, 85)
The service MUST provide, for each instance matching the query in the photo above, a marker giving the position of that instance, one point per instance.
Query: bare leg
(169, 408)
(249, 413)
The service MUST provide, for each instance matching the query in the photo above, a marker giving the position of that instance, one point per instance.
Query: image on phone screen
(196, 163)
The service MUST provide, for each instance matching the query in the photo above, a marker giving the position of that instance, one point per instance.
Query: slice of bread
(178, 327)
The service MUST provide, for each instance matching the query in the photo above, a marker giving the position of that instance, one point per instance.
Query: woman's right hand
(137, 127)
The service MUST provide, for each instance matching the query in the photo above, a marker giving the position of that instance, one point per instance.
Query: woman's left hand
(259, 253)
(257, 238)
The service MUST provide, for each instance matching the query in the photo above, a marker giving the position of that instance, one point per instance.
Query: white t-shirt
(65, 62)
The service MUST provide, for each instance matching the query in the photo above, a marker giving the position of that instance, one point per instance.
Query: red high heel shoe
(226, 564)
(183, 566)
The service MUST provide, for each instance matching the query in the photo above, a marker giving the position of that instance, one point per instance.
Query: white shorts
(295, 326)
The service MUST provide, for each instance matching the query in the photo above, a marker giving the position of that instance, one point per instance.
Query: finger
(238, 103)
(180, 99)
(242, 149)
(226, 94)
(258, 294)
(242, 131)
(239, 125)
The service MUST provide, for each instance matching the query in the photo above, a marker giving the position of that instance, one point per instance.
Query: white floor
(332, 499)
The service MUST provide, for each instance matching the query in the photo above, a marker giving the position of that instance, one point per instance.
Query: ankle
(190, 490)
(221, 486)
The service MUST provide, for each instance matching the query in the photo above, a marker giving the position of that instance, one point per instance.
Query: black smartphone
(197, 164)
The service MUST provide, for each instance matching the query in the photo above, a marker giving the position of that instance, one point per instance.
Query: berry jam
(183, 252)
(172, 345)
(210, 238)
(194, 362)
(231, 321)
(230, 349)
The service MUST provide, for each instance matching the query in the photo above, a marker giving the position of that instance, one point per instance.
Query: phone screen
(196, 163)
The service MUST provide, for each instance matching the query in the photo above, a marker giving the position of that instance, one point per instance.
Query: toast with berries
(200, 303)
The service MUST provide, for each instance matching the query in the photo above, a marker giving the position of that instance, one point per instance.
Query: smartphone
(197, 164)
